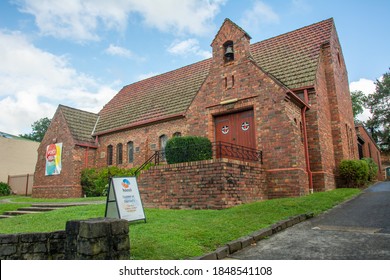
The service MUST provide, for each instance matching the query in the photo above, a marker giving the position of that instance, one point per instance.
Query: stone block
(222, 252)
(246, 241)
(261, 234)
(9, 238)
(119, 226)
(92, 247)
(234, 246)
(94, 228)
(7, 250)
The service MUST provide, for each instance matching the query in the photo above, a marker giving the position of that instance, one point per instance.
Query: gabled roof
(80, 123)
(292, 58)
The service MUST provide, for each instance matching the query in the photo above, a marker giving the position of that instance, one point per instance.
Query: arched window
(119, 153)
(163, 143)
(130, 151)
(177, 134)
(109, 155)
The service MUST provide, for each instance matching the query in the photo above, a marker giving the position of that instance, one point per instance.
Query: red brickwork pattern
(209, 184)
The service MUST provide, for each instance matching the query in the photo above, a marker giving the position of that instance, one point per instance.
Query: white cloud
(188, 47)
(81, 20)
(259, 14)
(119, 51)
(33, 82)
(146, 75)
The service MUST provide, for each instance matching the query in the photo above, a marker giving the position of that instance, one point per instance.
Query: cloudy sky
(80, 53)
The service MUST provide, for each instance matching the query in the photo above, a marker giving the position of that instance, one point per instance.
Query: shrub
(5, 189)
(188, 148)
(95, 181)
(373, 169)
(354, 172)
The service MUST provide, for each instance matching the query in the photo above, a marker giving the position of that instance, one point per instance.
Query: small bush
(373, 169)
(5, 189)
(188, 148)
(355, 173)
(95, 181)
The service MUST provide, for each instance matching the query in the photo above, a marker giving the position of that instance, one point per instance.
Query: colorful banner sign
(53, 159)
(124, 200)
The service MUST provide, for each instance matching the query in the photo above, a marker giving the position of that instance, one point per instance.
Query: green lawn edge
(183, 234)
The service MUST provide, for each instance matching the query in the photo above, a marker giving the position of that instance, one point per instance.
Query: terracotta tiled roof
(162, 96)
(80, 123)
(292, 58)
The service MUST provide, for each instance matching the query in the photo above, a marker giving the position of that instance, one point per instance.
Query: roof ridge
(295, 30)
(76, 109)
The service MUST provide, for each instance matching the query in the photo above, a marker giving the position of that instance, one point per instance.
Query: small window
(109, 154)
(177, 134)
(119, 153)
(130, 151)
(228, 51)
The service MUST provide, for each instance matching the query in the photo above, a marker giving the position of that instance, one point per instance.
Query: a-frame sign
(124, 200)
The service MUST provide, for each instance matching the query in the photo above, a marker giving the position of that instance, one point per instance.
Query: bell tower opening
(228, 51)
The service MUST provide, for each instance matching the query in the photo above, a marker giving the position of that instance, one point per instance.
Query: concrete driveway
(356, 230)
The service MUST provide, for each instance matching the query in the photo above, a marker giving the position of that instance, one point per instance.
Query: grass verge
(183, 234)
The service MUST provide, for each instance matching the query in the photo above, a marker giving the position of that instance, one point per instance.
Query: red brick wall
(145, 139)
(209, 184)
(66, 184)
(277, 119)
(370, 150)
(330, 119)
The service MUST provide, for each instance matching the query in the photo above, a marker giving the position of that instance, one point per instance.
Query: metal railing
(220, 150)
(229, 150)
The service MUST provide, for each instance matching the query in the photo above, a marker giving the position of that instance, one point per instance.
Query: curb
(253, 238)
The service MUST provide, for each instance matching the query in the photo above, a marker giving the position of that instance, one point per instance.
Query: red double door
(235, 129)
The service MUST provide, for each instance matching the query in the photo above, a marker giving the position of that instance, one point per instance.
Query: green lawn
(183, 234)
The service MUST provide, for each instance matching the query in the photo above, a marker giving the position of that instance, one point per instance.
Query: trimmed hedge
(372, 169)
(188, 148)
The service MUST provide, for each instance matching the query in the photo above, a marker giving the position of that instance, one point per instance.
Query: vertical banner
(124, 200)
(53, 159)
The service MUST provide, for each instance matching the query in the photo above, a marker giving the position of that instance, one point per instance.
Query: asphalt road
(356, 230)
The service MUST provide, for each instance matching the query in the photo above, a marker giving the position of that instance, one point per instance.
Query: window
(177, 134)
(119, 153)
(163, 143)
(109, 155)
(228, 51)
(130, 151)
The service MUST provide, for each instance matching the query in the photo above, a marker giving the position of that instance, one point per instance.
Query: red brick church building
(286, 99)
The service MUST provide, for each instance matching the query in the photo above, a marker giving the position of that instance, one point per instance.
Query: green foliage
(95, 181)
(5, 189)
(39, 129)
(188, 148)
(358, 99)
(372, 169)
(379, 105)
(355, 173)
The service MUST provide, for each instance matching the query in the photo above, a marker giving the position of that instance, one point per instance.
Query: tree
(39, 129)
(358, 98)
(379, 105)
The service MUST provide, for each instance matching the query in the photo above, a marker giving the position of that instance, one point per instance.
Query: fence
(21, 184)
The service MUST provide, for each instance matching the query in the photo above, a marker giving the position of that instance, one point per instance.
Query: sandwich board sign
(124, 200)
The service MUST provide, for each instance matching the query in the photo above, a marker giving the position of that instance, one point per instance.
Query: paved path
(357, 229)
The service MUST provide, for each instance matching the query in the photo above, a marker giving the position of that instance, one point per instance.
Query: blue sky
(80, 53)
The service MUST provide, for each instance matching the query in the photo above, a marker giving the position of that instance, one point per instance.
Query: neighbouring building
(367, 148)
(286, 100)
(18, 157)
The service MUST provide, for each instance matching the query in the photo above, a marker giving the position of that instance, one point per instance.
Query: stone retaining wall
(94, 239)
